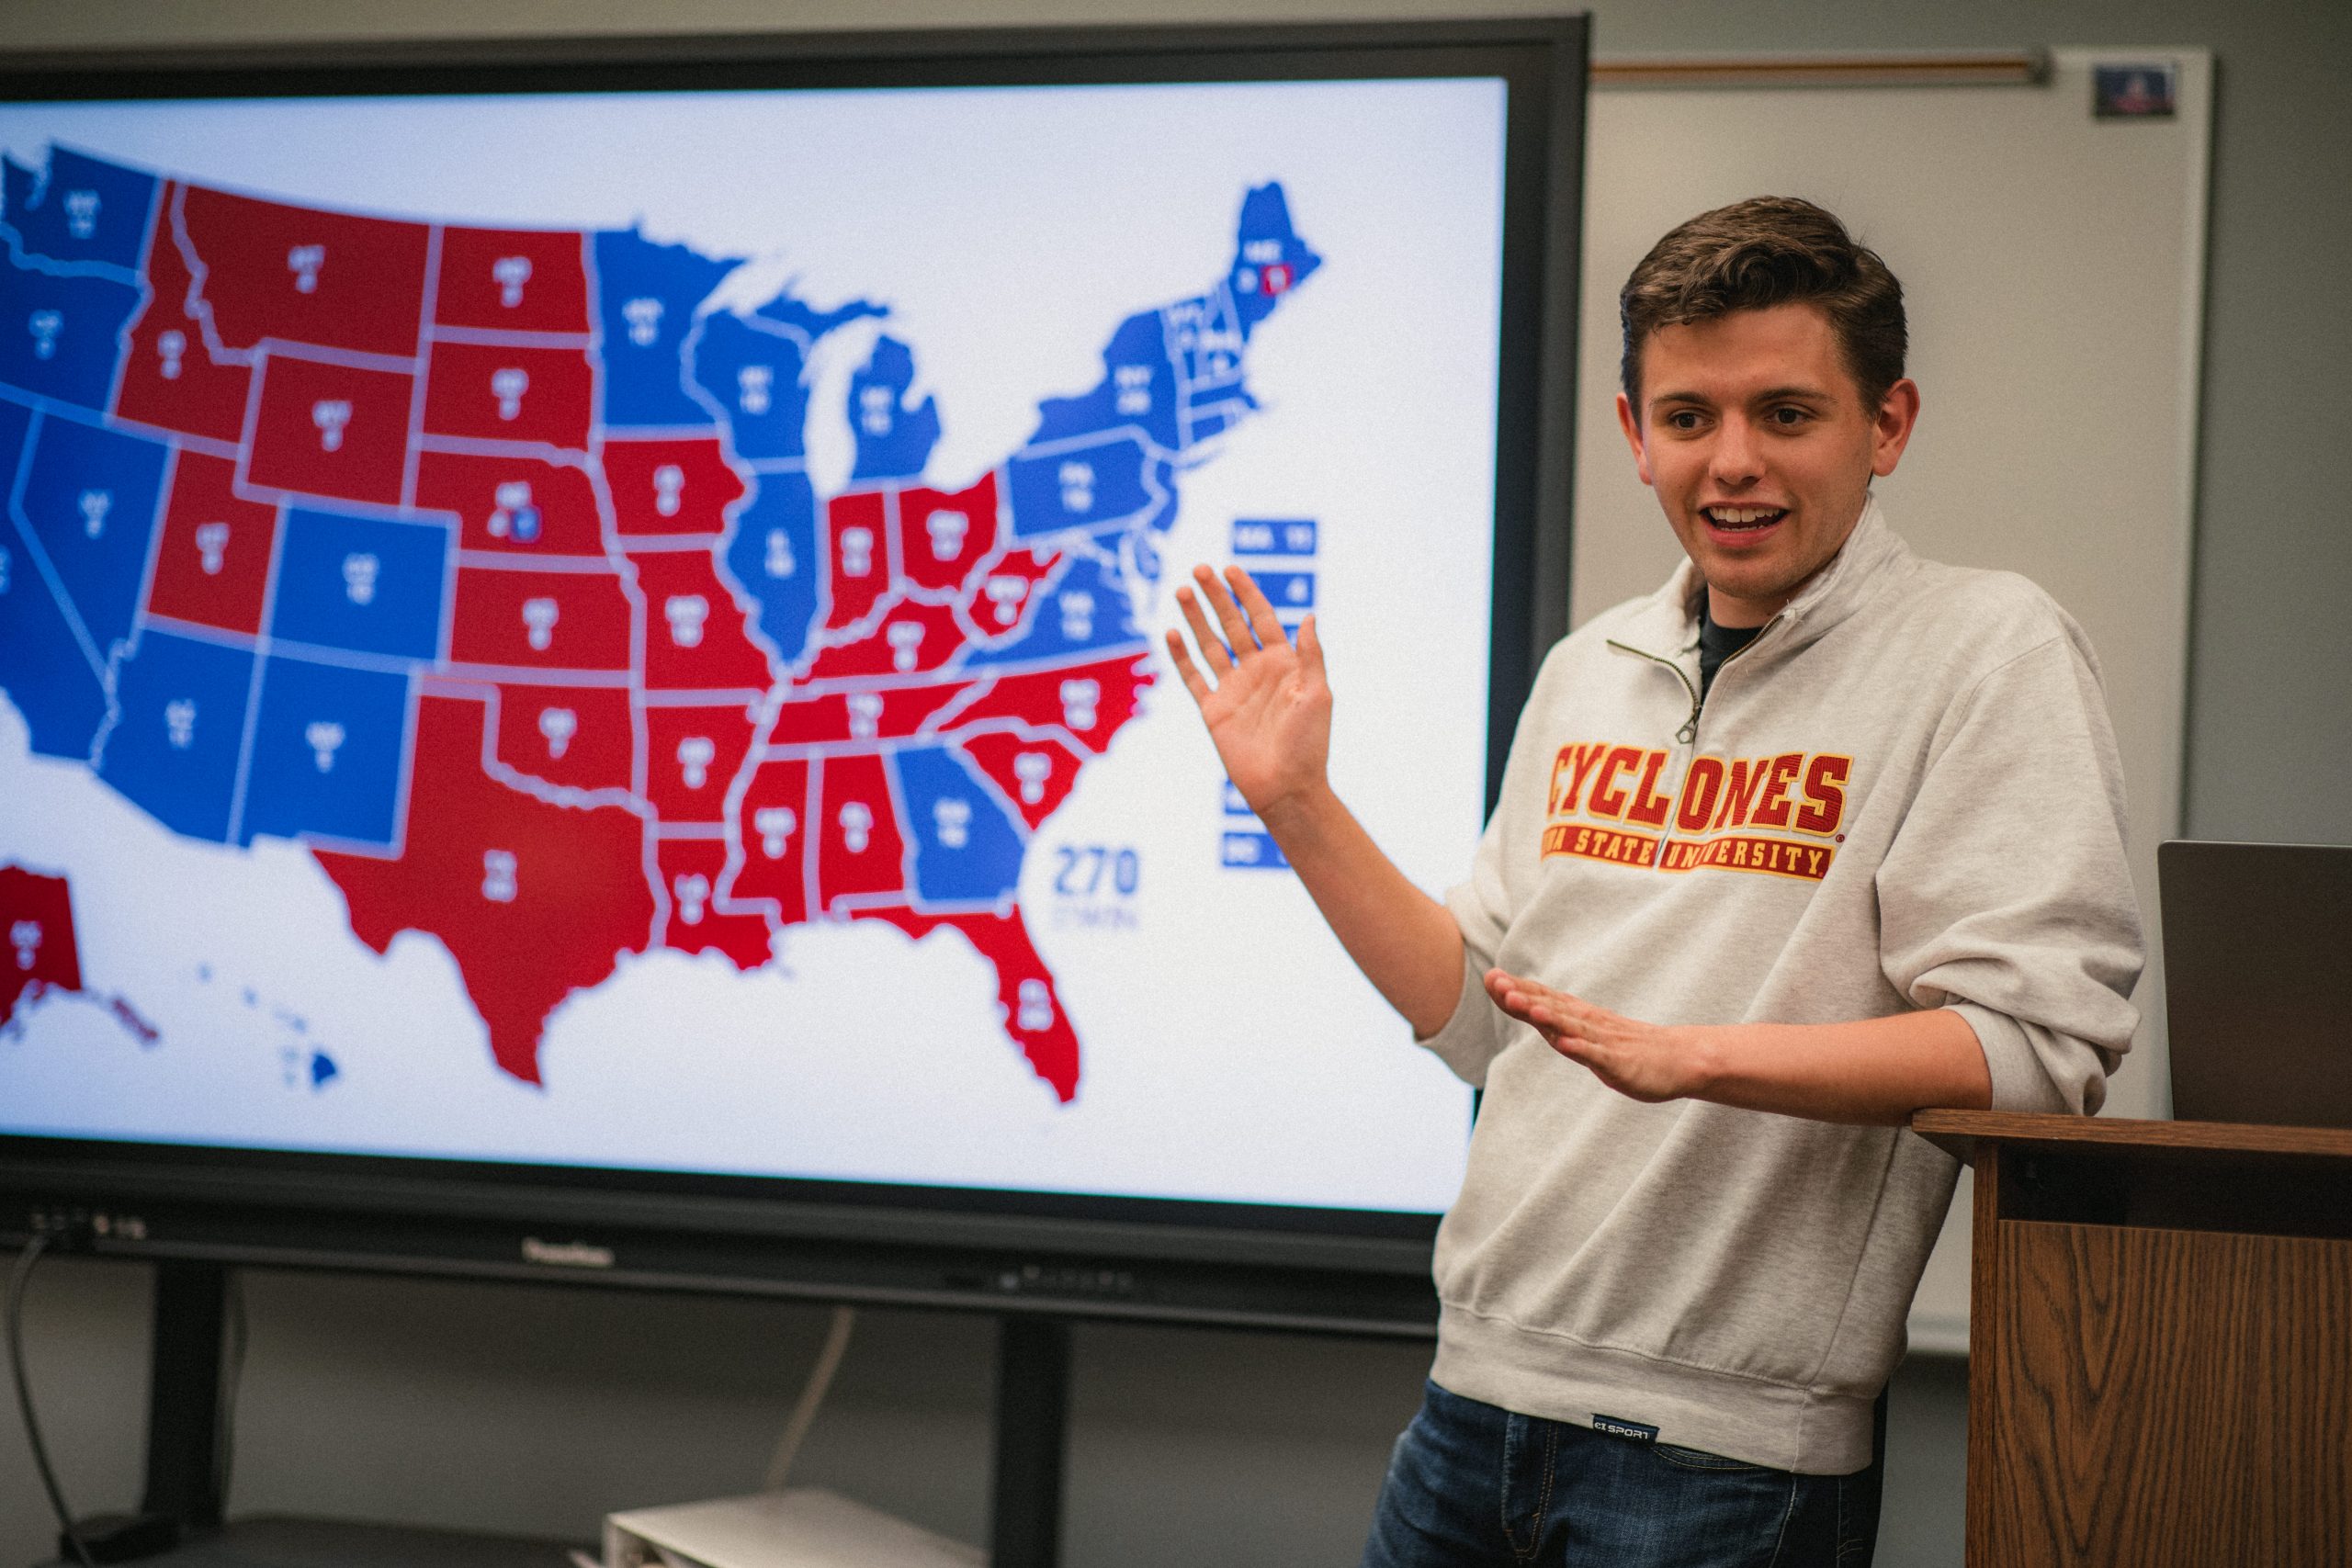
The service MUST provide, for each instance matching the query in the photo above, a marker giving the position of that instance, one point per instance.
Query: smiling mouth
(1743, 519)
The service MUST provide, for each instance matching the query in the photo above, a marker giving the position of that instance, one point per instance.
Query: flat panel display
(620, 629)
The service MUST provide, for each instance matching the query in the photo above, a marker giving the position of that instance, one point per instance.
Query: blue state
(645, 298)
(43, 670)
(91, 496)
(84, 209)
(1092, 486)
(1265, 238)
(894, 438)
(179, 730)
(966, 849)
(754, 374)
(774, 559)
(62, 336)
(329, 747)
(369, 585)
(1083, 612)
(1138, 388)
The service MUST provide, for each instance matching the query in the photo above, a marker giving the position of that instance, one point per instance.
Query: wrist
(1706, 1051)
(1299, 814)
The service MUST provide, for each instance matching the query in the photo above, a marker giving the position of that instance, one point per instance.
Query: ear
(1632, 429)
(1891, 429)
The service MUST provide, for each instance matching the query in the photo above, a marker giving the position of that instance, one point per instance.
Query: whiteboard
(2054, 267)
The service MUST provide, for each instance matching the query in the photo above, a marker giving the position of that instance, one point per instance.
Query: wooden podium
(2160, 1342)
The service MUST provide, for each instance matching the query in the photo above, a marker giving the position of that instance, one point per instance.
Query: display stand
(184, 1395)
(2160, 1341)
(1032, 1399)
(1031, 1441)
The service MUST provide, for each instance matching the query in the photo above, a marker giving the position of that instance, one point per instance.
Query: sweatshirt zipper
(1690, 731)
(1688, 734)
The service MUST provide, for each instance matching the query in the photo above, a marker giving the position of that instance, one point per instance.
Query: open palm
(1269, 707)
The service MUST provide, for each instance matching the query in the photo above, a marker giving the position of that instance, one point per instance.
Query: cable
(17, 1280)
(804, 1413)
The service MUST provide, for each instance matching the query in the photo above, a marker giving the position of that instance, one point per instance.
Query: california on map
(487, 564)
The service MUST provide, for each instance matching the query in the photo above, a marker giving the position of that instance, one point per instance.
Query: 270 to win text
(1090, 871)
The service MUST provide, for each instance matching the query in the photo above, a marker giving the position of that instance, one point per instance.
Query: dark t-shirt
(1717, 644)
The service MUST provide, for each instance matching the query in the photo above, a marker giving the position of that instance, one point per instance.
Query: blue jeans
(1470, 1485)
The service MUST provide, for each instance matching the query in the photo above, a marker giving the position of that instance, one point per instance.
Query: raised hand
(1269, 709)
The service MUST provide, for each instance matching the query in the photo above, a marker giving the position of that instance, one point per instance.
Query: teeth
(1743, 517)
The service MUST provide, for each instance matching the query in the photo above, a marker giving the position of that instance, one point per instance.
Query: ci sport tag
(1617, 1428)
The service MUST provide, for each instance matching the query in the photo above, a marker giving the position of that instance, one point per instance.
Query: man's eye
(1683, 419)
(1786, 415)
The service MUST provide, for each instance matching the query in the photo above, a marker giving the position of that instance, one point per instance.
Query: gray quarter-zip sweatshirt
(1903, 793)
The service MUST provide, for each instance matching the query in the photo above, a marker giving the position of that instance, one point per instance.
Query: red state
(331, 430)
(491, 392)
(692, 755)
(170, 378)
(1090, 701)
(943, 536)
(534, 901)
(892, 715)
(911, 639)
(692, 870)
(517, 280)
(37, 925)
(773, 825)
(212, 565)
(697, 636)
(999, 597)
(858, 567)
(1035, 775)
(540, 620)
(669, 487)
(1030, 1009)
(512, 503)
(860, 847)
(579, 737)
(302, 275)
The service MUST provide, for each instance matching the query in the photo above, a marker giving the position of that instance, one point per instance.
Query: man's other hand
(1649, 1062)
(1873, 1071)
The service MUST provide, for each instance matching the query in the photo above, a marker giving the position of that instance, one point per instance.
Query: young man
(1816, 836)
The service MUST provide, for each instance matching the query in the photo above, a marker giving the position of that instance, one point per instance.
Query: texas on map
(487, 564)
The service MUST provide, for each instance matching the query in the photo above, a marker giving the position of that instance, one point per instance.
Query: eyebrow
(1769, 395)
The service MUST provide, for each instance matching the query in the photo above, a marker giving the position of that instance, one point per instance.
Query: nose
(1737, 454)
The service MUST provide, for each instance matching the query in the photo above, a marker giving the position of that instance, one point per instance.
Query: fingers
(1556, 1013)
(1212, 646)
(1310, 646)
(1251, 599)
(1186, 671)
(1229, 613)
(1509, 989)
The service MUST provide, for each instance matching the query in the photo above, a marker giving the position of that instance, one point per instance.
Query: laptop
(2257, 947)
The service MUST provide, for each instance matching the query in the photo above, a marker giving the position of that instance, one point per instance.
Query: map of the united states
(488, 564)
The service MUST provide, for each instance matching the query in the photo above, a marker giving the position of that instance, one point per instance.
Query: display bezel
(1101, 1255)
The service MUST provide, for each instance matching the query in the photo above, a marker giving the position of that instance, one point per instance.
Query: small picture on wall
(2132, 92)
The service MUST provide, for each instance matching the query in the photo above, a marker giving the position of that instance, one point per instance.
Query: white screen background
(1230, 1051)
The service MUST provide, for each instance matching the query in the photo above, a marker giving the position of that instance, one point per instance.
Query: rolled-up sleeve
(2006, 894)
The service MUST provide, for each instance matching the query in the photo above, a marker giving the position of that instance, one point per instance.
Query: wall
(534, 1411)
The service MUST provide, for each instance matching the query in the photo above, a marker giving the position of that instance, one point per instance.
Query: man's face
(1753, 436)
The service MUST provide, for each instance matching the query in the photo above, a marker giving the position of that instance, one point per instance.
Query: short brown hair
(1768, 251)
